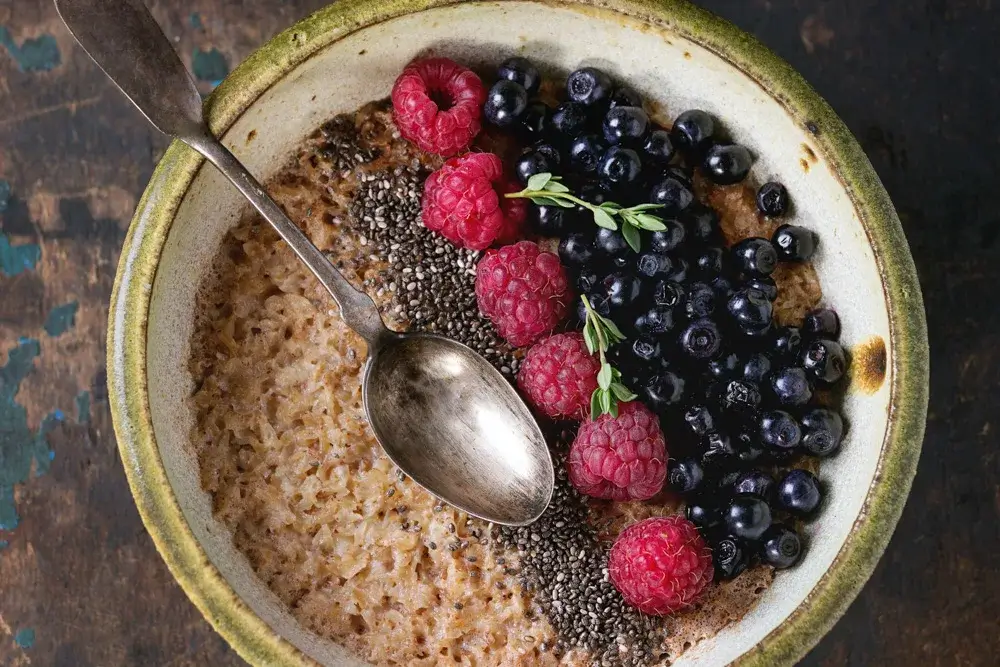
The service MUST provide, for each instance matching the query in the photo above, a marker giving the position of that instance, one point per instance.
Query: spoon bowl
(427, 398)
(425, 390)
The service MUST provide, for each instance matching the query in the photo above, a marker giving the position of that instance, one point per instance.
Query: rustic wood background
(80, 582)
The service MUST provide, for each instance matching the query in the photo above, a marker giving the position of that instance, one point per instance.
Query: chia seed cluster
(564, 566)
(431, 282)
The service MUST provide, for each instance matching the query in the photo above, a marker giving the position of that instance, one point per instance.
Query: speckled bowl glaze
(679, 57)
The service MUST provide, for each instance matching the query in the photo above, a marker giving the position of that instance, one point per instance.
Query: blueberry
(794, 243)
(611, 243)
(532, 162)
(549, 220)
(710, 262)
(699, 419)
(772, 199)
(693, 130)
(576, 249)
(701, 339)
(779, 430)
(658, 147)
(588, 86)
(664, 389)
(585, 152)
(821, 323)
(521, 71)
(655, 321)
(756, 256)
(700, 300)
(535, 120)
(727, 164)
(719, 449)
(622, 290)
(730, 557)
(756, 482)
(798, 492)
(646, 349)
(653, 264)
(741, 397)
(787, 344)
(822, 431)
(588, 280)
(667, 239)
(569, 119)
(505, 103)
(673, 195)
(748, 517)
(619, 165)
(757, 367)
(701, 223)
(592, 193)
(723, 287)
(685, 475)
(765, 284)
(678, 270)
(782, 547)
(625, 96)
(824, 360)
(625, 125)
(751, 310)
(682, 173)
(724, 367)
(668, 293)
(702, 512)
(748, 446)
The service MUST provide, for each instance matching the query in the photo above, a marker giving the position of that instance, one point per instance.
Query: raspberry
(660, 565)
(461, 204)
(559, 374)
(619, 458)
(438, 105)
(523, 290)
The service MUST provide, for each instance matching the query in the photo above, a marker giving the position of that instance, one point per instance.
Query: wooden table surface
(80, 582)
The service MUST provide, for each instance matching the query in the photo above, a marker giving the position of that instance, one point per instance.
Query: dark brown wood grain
(916, 81)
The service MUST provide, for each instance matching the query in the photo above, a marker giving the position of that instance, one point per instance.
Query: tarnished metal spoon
(440, 411)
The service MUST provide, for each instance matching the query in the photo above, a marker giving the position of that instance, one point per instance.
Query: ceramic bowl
(679, 57)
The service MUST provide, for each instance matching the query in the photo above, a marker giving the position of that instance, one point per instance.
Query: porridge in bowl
(672, 344)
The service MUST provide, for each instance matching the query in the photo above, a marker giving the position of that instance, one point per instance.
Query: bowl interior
(671, 71)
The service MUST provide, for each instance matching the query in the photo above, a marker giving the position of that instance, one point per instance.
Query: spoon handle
(356, 307)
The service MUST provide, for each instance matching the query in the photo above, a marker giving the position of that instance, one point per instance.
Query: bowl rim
(251, 637)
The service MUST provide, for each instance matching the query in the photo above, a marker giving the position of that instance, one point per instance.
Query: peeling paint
(4, 195)
(35, 54)
(25, 638)
(61, 319)
(196, 21)
(21, 450)
(83, 407)
(17, 258)
(210, 66)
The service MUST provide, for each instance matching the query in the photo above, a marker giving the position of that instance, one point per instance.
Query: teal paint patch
(15, 259)
(20, 448)
(4, 195)
(36, 54)
(25, 638)
(83, 407)
(209, 66)
(196, 21)
(61, 319)
(4, 544)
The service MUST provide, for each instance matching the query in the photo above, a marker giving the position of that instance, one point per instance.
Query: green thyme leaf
(610, 207)
(639, 208)
(603, 219)
(555, 186)
(545, 201)
(606, 404)
(538, 181)
(631, 235)
(604, 377)
(595, 405)
(622, 393)
(589, 337)
(611, 328)
(650, 222)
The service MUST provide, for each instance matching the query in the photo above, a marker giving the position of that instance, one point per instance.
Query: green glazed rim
(254, 639)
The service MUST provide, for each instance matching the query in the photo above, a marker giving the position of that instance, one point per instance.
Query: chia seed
(341, 145)
(564, 566)
(432, 283)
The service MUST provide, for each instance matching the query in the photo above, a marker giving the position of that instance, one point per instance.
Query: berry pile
(680, 374)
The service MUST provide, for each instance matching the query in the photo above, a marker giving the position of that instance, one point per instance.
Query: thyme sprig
(600, 333)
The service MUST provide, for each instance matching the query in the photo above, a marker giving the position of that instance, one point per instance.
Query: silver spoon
(440, 411)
